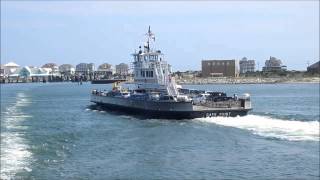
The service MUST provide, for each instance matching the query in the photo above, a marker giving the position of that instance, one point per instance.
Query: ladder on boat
(171, 88)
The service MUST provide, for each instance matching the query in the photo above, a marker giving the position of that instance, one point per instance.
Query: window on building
(208, 64)
(213, 63)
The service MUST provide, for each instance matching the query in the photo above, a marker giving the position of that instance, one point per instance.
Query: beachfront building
(29, 73)
(85, 68)
(314, 68)
(220, 68)
(84, 71)
(274, 65)
(67, 72)
(67, 69)
(2, 70)
(2, 77)
(246, 65)
(122, 69)
(104, 71)
(10, 68)
(54, 69)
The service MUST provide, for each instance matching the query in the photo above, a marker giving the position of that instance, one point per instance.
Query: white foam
(15, 156)
(127, 117)
(270, 127)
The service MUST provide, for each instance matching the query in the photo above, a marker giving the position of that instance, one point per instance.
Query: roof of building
(123, 64)
(11, 64)
(66, 65)
(105, 66)
(31, 71)
(218, 60)
(50, 65)
(315, 65)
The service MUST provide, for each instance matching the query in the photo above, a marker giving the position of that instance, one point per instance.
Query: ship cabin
(151, 71)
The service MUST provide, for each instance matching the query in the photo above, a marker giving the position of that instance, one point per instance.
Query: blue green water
(48, 132)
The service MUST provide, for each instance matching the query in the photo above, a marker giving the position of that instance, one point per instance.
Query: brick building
(222, 68)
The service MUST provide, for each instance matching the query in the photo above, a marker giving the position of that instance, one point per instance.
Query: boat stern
(246, 101)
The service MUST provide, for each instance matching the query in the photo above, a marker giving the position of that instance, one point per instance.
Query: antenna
(150, 36)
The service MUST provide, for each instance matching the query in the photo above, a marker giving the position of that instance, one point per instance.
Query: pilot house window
(143, 74)
(149, 73)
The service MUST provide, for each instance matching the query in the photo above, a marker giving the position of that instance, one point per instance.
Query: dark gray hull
(163, 110)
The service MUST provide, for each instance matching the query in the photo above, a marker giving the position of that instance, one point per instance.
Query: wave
(291, 130)
(14, 155)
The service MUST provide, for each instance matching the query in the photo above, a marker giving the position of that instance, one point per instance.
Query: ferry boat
(156, 94)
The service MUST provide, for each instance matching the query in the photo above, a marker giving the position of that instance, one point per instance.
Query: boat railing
(222, 104)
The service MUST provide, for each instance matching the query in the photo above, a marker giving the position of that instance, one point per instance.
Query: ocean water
(48, 131)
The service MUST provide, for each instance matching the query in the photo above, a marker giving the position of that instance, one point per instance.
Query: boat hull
(163, 110)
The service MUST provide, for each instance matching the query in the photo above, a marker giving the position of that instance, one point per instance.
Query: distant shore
(246, 80)
(218, 80)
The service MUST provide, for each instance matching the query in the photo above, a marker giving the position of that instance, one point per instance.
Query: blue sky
(34, 33)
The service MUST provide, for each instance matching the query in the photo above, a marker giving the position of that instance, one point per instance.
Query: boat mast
(150, 36)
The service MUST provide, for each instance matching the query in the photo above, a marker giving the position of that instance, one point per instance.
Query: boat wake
(291, 130)
(15, 156)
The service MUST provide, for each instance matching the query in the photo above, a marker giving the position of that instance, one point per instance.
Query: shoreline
(202, 81)
(213, 80)
(188, 83)
(250, 83)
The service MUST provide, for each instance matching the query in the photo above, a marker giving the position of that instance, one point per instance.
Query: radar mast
(150, 38)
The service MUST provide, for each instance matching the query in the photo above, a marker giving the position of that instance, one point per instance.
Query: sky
(38, 32)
